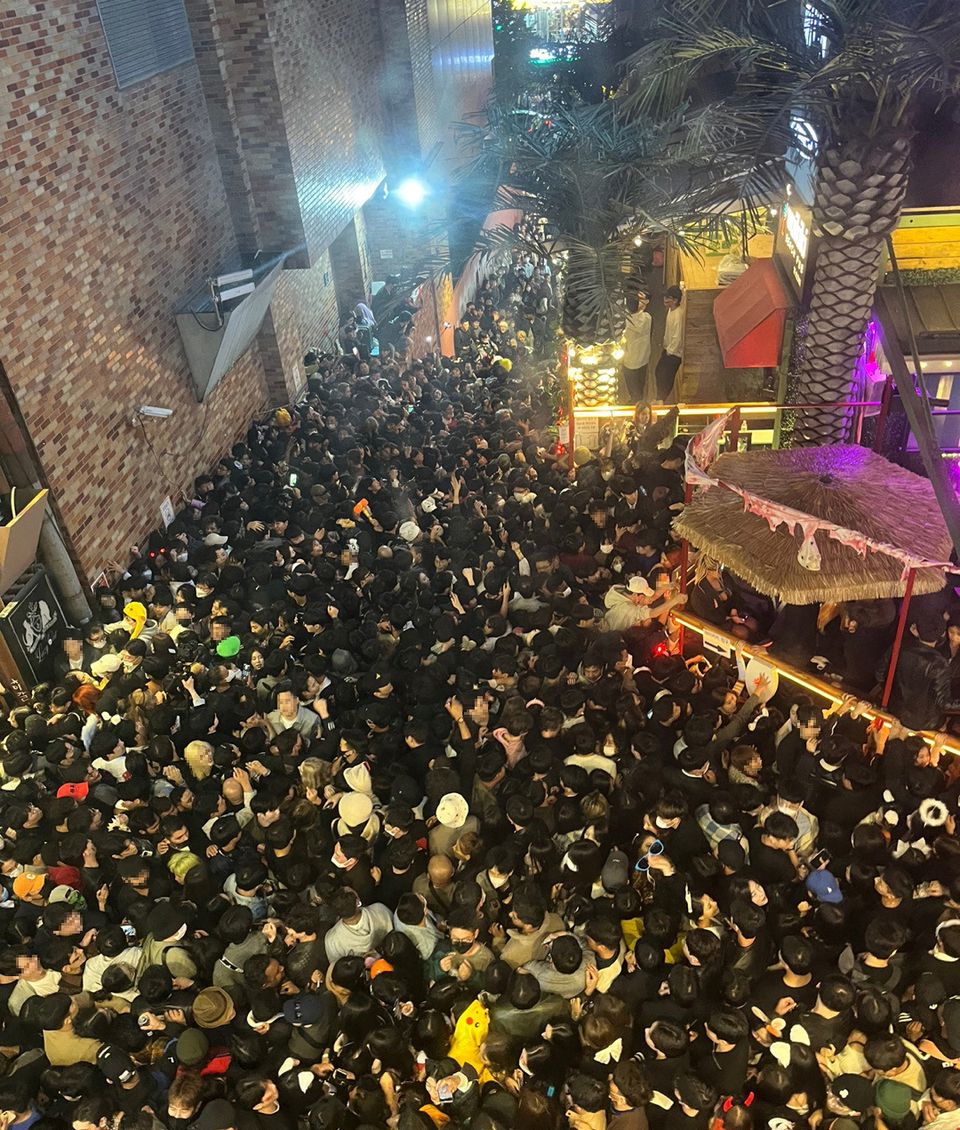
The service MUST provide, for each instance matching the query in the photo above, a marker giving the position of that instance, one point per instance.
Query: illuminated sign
(796, 238)
(530, 5)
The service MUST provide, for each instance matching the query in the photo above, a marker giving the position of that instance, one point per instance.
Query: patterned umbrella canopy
(847, 486)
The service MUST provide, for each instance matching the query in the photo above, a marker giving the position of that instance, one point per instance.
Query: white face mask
(498, 880)
(181, 933)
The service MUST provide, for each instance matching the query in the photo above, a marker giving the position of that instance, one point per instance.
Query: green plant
(596, 179)
(835, 81)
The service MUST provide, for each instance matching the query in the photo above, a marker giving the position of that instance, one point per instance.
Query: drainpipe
(22, 469)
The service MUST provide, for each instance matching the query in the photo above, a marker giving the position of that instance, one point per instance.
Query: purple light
(869, 370)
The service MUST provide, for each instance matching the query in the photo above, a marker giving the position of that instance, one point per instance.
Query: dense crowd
(379, 796)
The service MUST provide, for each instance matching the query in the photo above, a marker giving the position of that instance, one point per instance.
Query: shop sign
(796, 241)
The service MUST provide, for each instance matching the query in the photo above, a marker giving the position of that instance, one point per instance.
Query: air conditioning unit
(219, 321)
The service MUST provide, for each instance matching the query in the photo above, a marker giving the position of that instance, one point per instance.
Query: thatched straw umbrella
(846, 485)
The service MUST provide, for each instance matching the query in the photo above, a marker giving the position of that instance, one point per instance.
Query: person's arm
(523, 565)
(737, 723)
(657, 432)
(455, 709)
(89, 729)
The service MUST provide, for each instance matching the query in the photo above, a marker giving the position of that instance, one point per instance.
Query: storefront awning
(750, 315)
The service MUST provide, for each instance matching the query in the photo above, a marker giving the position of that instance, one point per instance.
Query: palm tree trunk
(861, 186)
(843, 286)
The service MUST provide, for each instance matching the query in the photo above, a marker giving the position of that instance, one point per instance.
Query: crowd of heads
(379, 795)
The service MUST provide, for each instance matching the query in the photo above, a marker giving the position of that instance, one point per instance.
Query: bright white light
(638, 241)
(429, 340)
(411, 192)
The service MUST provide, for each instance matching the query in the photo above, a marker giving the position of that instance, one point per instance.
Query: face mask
(181, 933)
(463, 947)
(339, 861)
(498, 881)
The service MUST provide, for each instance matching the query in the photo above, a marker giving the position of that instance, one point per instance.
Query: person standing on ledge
(670, 358)
(636, 348)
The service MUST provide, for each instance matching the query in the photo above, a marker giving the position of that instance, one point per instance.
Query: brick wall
(113, 207)
(315, 302)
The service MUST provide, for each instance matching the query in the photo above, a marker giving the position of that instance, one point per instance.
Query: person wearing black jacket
(921, 683)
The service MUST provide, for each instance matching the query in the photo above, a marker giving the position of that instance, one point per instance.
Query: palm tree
(840, 81)
(597, 180)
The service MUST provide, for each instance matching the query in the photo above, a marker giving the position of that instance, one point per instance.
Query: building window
(145, 37)
(814, 29)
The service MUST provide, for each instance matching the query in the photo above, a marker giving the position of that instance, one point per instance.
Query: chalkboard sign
(32, 625)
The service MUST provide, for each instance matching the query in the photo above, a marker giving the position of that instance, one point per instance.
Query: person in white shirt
(669, 363)
(636, 348)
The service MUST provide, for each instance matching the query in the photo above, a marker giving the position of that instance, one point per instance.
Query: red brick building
(150, 146)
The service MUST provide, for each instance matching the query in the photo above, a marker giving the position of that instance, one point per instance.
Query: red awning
(750, 315)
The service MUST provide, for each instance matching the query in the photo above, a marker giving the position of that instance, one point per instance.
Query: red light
(661, 648)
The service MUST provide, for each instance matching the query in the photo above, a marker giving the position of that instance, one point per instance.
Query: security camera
(153, 412)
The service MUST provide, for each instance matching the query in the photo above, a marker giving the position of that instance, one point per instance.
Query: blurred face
(73, 924)
(287, 704)
(29, 965)
(256, 660)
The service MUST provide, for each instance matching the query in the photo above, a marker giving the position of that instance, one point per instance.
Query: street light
(411, 192)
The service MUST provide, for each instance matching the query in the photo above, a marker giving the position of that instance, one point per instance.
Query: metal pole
(735, 429)
(884, 412)
(920, 423)
(571, 418)
(684, 558)
(898, 638)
